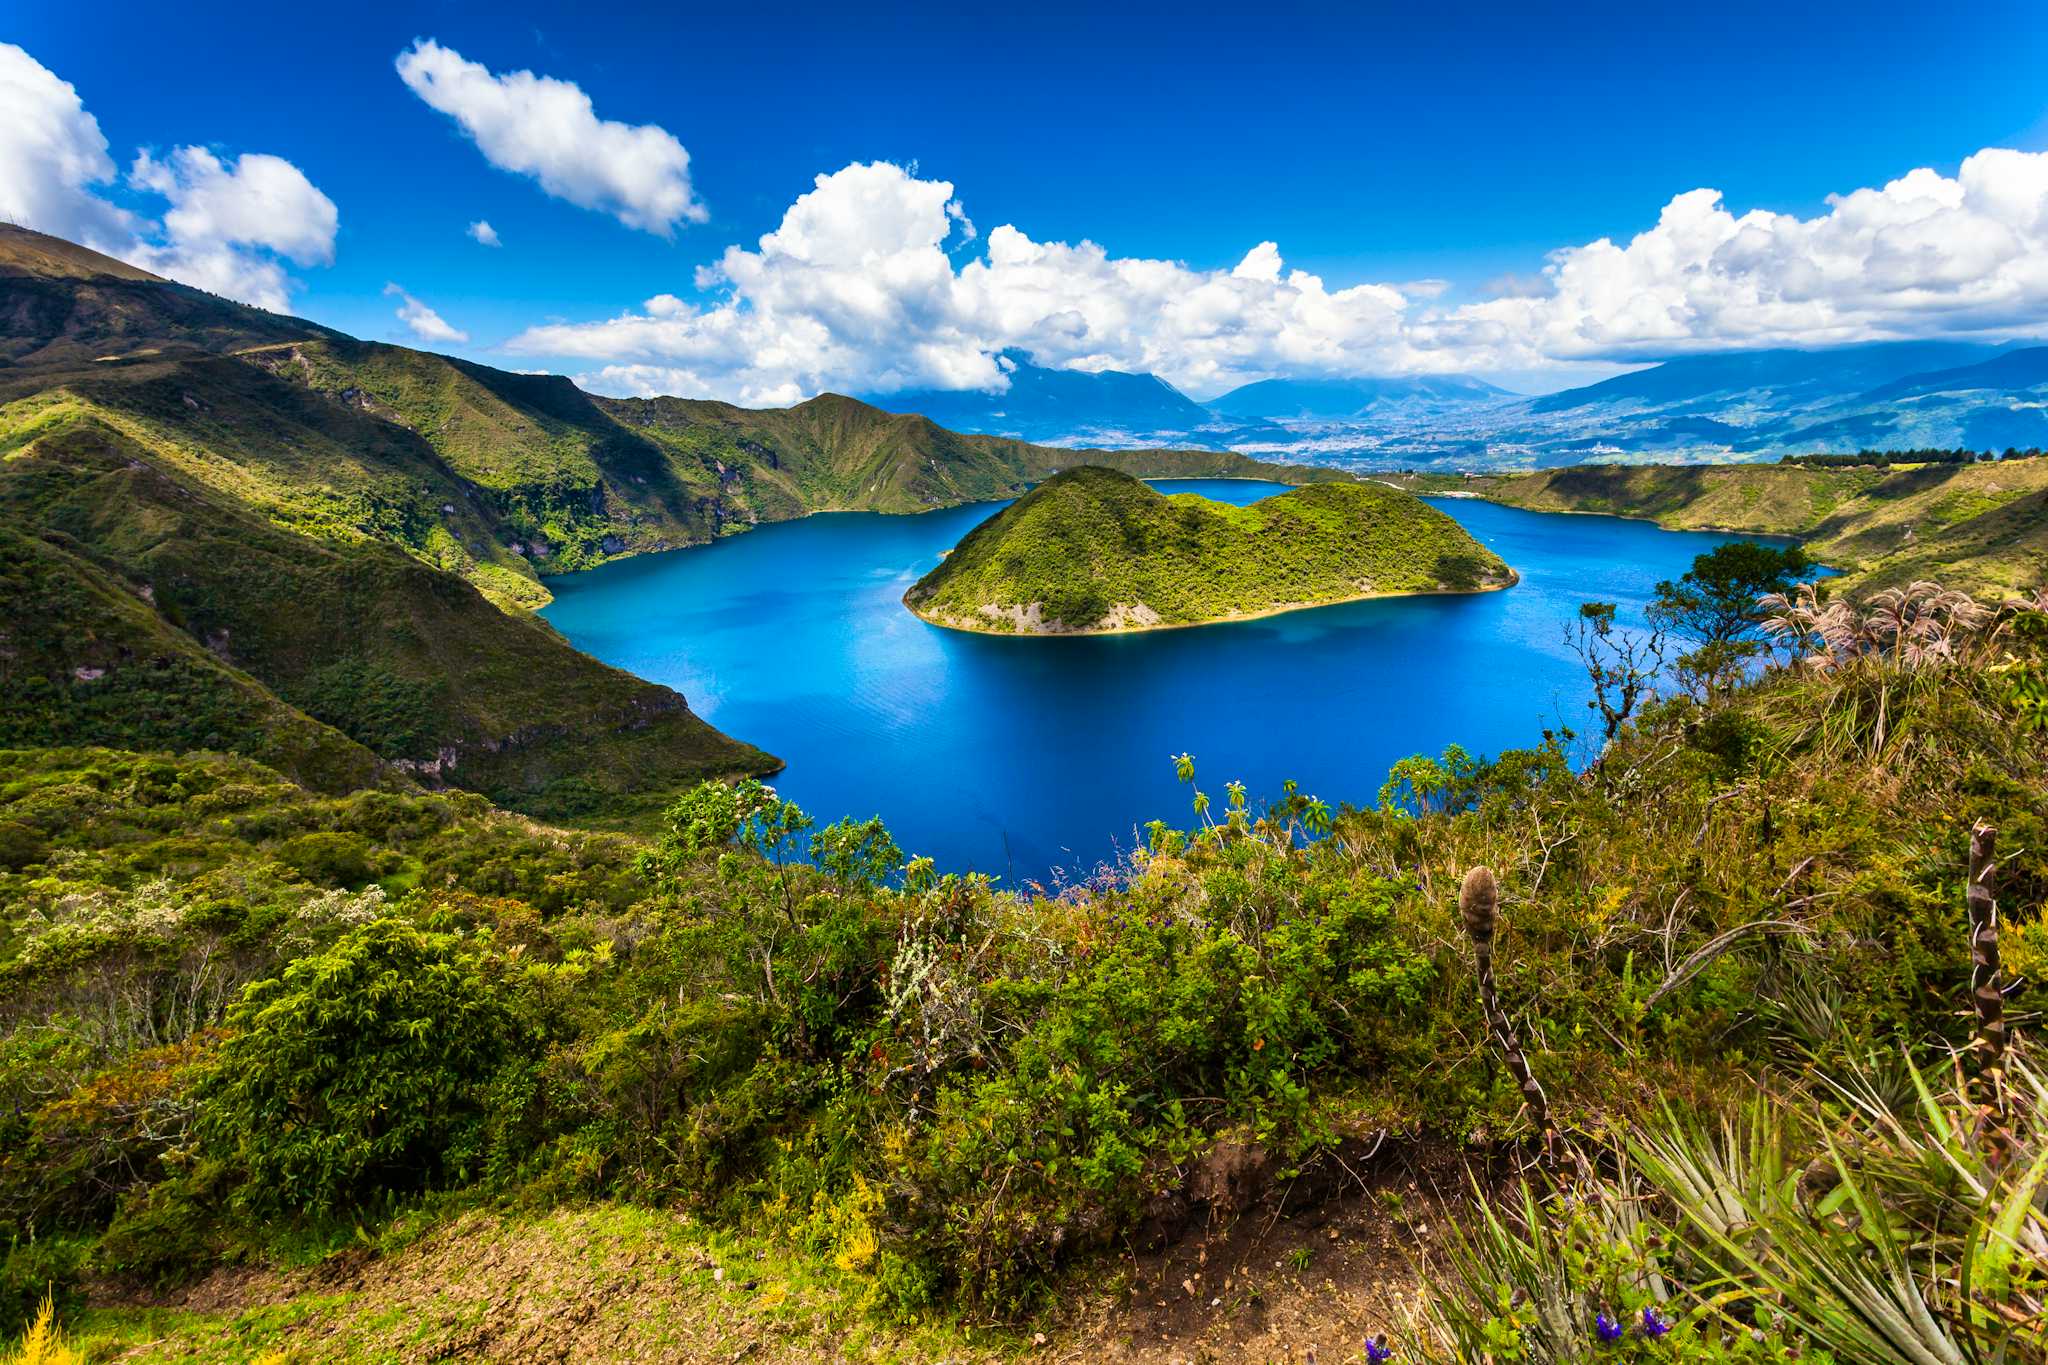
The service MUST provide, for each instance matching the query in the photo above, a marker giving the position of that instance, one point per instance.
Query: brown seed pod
(1479, 903)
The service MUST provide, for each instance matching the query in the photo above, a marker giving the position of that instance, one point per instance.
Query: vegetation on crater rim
(1095, 550)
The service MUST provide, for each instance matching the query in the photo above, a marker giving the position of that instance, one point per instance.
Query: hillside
(1094, 551)
(410, 662)
(1982, 527)
(394, 1075)
(61, 303)
(327, 551)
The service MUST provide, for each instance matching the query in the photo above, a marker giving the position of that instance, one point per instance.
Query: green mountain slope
(61, 303)
(1093, 550)
(119, 672)
(411, 662)
(1981, 527)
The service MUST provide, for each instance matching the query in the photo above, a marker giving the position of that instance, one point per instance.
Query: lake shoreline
(1287, 610)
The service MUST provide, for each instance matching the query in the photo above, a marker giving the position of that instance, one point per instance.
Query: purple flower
(1654, 1324)
(1377, 1350)
(1606, 1328)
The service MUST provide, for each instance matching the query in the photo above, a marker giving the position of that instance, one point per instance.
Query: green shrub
(360, 1073)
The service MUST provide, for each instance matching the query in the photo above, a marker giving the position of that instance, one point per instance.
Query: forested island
(1094, 551)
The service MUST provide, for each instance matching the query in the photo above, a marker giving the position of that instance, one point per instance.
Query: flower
(1654, 1324)
(1606, 1328)
(1377, 1350)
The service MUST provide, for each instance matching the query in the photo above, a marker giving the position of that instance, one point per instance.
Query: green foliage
(364, 1071)
(374, 706)
(1832, 1223)
(1972, 526)
(1093, 549)
(948, 1093)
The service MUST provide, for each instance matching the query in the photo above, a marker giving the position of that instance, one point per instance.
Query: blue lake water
(1019, 756)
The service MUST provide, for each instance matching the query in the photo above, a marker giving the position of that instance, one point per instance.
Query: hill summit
(1094, 551)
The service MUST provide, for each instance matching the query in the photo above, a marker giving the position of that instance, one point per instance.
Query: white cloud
(483, 232)
(1925, 255)
(425, 323)
(228, 225)
(546, 128)
(51, 155)
(857, 289)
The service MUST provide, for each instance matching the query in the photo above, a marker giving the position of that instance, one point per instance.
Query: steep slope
(61, 303)
(1981, 527)
(118, 673)
(1093, 551)
(411, 662)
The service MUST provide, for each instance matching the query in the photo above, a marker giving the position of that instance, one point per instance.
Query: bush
(360, 1073)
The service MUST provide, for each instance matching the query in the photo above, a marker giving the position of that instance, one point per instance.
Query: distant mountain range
(1275, 399)
(1745, 405)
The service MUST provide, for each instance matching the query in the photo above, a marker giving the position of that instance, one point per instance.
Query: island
(1094, 552)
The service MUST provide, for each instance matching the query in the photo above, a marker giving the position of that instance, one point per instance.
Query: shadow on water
(1016, 756)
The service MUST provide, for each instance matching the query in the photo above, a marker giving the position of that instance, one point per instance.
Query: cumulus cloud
(482, 232)
(547, 129)
(228, 227)
(424, 322)
(229, 224)
(1926, 254)
(869, 284)
(51, 155)
(855, 289)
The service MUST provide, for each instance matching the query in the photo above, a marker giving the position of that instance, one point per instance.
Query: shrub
(360, 1073)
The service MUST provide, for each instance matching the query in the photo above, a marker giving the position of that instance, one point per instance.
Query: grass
(1978, 527)
(1093, 549)
(412, 663)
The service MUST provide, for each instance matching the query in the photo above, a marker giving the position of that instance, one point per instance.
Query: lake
(1020, 756)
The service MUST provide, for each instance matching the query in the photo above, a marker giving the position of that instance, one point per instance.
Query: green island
(428, 990)
(1092, 551)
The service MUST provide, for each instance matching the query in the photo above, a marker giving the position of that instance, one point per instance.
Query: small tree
(1714, 607)
(1622, 664)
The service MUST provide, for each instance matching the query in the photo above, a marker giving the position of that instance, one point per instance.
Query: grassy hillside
(61, 303)
(1095, 550)
(410, 662)
(119, 673)
(1981, 527)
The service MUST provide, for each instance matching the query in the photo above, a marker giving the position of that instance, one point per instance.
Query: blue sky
(1385, 150)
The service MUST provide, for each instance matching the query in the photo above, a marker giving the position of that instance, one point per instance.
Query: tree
(1714, 607)
(1622, 664)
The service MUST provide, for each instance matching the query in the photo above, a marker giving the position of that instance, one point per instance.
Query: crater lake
(1040, 758)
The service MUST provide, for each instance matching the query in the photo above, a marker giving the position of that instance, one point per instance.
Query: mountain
(1711, 408)
(1982, 527)
(1782, 378)
(1093, 551)
(1313, 398)
(227, 528)
(2010, 371)
(1075, 408)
